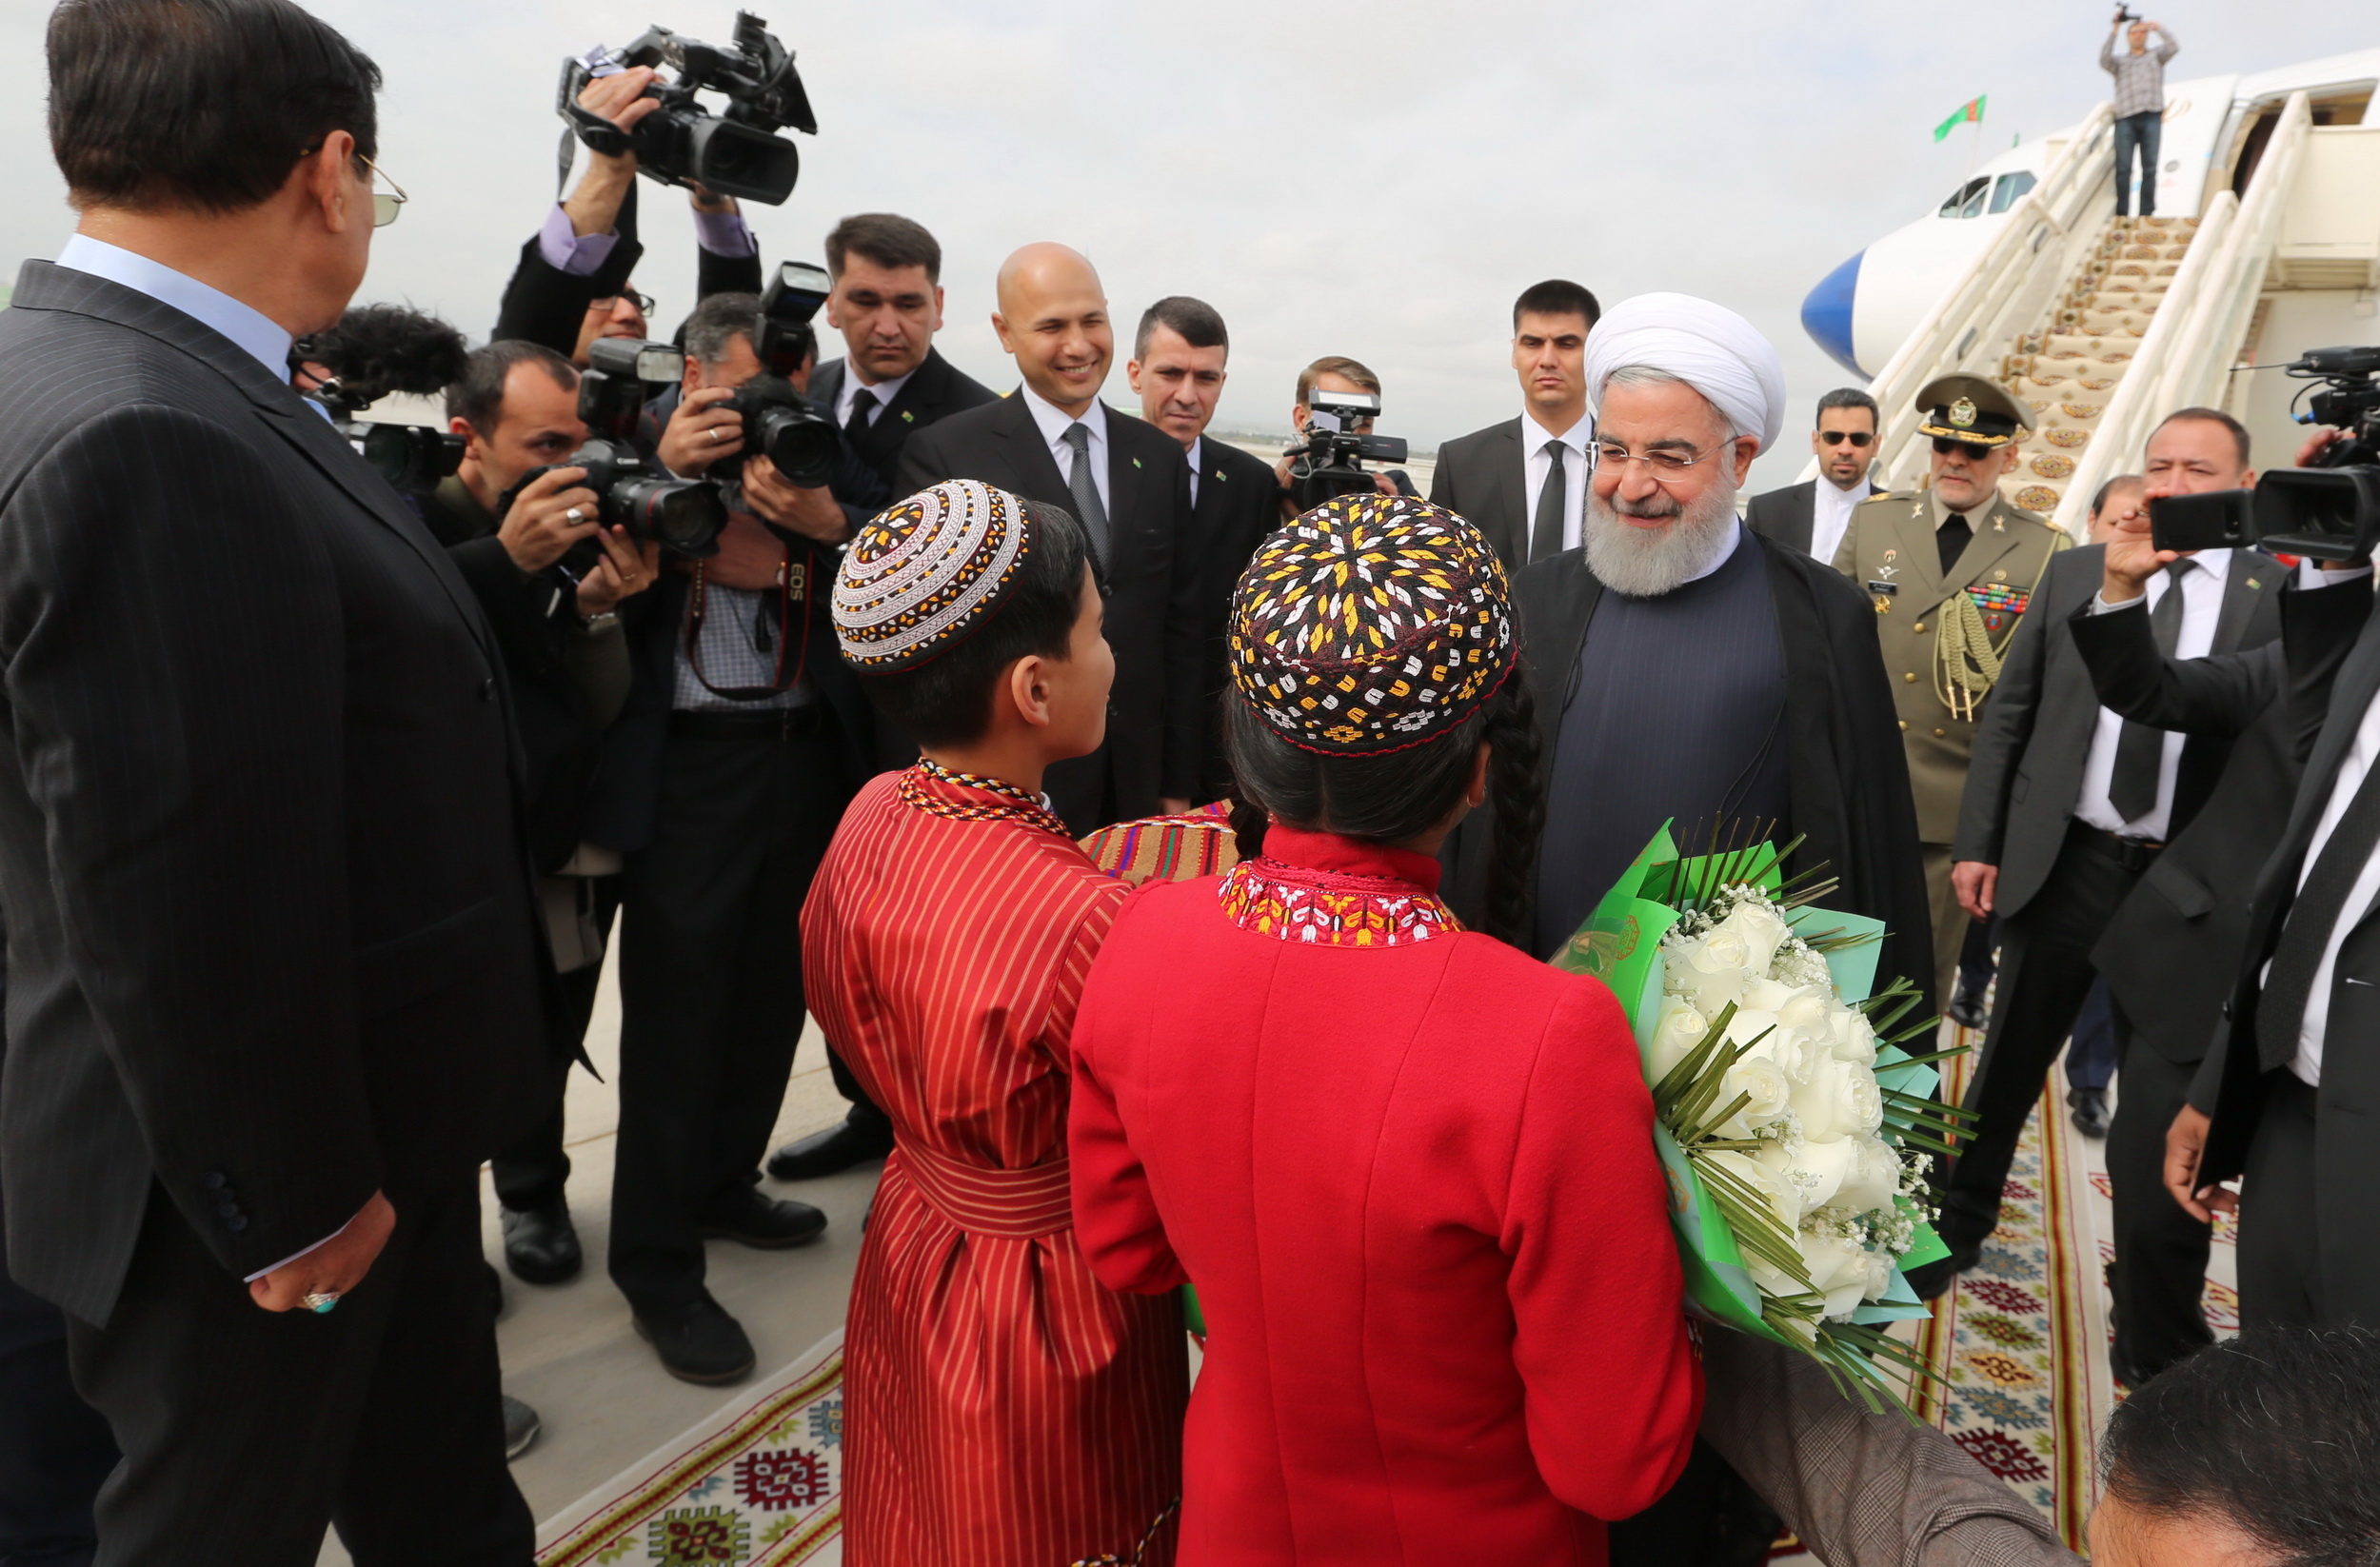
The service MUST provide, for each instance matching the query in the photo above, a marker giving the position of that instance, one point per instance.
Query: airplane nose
(1826, 314)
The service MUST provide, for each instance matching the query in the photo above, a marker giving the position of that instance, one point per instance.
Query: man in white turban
(1689, 669)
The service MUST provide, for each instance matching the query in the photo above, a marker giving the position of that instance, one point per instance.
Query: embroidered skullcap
(1371, 624)
(926, 572)
(1709, 347)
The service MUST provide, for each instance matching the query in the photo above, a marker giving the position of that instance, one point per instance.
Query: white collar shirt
(2202, 606)
(250, 330)
(1054, 421)
(1831, 506)
(883, 392)
(1538, 465)
(1191, 451)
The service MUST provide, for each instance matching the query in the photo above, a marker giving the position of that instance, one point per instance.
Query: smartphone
(2217, 520)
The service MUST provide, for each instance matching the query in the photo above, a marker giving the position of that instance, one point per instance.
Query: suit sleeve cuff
(296, 1255)
(724, 233)
(578, 255)
(2099, 605)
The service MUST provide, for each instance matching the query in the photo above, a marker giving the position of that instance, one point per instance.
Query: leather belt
(768, 724)
(2130, 853)
(1003, 1205)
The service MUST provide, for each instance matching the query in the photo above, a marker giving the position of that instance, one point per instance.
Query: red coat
(1001, 1408)
(1411, 1170)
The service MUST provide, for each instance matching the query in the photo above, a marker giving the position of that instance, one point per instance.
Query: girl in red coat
(1409, 1169)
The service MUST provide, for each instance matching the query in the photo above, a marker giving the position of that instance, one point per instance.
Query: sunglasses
(1861, 439)
(1945, 444)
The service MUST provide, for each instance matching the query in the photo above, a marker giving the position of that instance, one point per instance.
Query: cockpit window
(2010, 188)
(1967, 200)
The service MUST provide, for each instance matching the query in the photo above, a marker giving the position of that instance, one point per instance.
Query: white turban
(1709, 347)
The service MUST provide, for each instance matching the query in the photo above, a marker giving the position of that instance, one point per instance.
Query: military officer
(1950, 570)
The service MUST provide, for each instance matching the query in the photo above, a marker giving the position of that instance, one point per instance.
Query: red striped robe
(1002, 1406)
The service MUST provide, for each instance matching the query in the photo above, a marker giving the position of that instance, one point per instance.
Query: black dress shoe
(698, 1342)
(1966, 1011)
(541, 1244)
(521, 1427)
(755, 1220)
(2090, 1108)
(829, 1152)
(1934, 1280)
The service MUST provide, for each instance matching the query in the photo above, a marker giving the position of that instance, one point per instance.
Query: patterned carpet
(2023, 1339)
(758, 1485)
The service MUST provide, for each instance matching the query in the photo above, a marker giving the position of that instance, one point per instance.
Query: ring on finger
(717, 435)
(320, 1301)
(575, 515)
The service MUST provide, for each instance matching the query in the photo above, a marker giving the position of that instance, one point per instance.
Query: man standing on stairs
(2139, 73)
(1949, 570)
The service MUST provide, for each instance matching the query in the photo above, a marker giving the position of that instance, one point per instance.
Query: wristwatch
(597, 623)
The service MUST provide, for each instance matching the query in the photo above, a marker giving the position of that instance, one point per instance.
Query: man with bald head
(1127, 482)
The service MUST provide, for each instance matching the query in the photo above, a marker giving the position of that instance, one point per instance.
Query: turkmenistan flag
(1969, 112)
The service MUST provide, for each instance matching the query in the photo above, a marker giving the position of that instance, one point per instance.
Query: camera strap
(793, 583)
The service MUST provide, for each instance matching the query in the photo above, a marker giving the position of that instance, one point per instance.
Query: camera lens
(685, 515)
(798, 443)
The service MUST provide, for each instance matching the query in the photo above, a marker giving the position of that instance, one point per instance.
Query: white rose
(1854, 1036)
(1767, 1091)
(1873, 1176)
(1822, 1167)
(1881, 1271)
(1838, 1270)
(1678, 1030)
(1761, 932)
(1712, 971)
(1807, 1014)
(1838, 1100)
(1763, 1040)
(1770, 1185)
(1767, 994)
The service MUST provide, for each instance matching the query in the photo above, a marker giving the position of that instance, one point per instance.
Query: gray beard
(1646, 562)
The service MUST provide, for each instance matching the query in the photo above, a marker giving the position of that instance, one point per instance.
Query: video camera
(1330, 464)
(733, 154)
(2329, 511)
(683, 515)
(2125, 13)
(374, 351)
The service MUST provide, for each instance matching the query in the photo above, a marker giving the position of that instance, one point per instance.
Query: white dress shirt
(883, 392)
(251, 330)
(1830, 514)
(1053, 421)
(2202, 606)
(1192, 453)
(1536, 466)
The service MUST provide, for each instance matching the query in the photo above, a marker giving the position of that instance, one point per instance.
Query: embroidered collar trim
(1331, 908)
(937, 790)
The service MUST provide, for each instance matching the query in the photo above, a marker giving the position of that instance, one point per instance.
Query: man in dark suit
(2281, 1099)
(274, 960)
(573, 284)
(2056, 854)
(1812, 516)
(1055, 442)
(1178, 364)
(887, 302)
(1523, 483)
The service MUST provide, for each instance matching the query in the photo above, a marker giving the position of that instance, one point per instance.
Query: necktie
(1087, 506)
(1546, 539)
(2139, 749)
(1950, 538)
(2281, 1009)
(862, 404)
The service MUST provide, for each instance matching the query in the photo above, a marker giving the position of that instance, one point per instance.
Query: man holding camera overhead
(573, 282)
(745, 736)
(2058, 859)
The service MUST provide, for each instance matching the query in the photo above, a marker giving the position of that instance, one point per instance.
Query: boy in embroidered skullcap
(1000, 1406)
(1409, 1169)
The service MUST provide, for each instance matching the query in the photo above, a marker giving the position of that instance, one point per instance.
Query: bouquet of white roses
(1795, 1130)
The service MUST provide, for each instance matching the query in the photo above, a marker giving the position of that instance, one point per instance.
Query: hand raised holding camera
(552, 512)
(701, 432)
(594, 207)
(623, 571)
(2133, 556)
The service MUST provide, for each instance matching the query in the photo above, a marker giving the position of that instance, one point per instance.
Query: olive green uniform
(1940, 679)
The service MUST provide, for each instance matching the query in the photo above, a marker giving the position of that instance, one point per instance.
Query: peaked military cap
(1969, 409)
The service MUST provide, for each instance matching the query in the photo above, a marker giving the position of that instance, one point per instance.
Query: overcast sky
(1371, 179)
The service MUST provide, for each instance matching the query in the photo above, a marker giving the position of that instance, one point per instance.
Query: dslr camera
(2329, 511)
(1330, 464)
(736, 152)
(374, 351)
(683, 515)
(779, 423)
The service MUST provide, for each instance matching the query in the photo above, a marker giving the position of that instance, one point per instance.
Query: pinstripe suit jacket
(271, 934)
